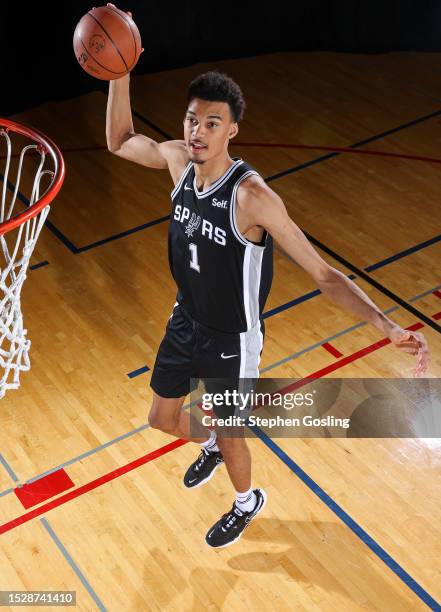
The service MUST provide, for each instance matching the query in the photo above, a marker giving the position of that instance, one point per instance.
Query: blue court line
(375, 266)
(73, 565)
(132, 432)
(139, 371)
(348, 521)
(315, 292)
(405, 253)
(299, 300)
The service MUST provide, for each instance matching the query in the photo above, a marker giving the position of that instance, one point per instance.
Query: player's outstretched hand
(414, 343)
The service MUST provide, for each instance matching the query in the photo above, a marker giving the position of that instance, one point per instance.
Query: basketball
(107, 43)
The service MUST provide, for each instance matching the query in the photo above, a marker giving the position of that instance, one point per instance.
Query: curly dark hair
(218, 87)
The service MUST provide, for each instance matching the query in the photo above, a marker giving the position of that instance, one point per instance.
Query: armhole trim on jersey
(233, 220)
(178, 185)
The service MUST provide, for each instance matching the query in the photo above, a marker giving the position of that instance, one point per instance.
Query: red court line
(331, 349)
(344, 361)
(437, 293)
(279, 145)
(24, 518)
(432, 160)
(437, 315)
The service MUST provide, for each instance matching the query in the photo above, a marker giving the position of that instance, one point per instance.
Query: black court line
(103, 88)
(317, 160)
(133, 230)
(314, 241)
(50, 226)
(152, 125)
(359, 272)
(41, 264)
(76, 250)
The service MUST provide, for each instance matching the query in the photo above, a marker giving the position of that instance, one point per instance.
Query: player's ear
(233, 130)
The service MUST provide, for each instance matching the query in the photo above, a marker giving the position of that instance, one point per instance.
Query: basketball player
(223, 219)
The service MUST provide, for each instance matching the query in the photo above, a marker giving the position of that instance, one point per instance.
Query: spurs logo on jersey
(223, 279)
(193, 225)
(182, 213)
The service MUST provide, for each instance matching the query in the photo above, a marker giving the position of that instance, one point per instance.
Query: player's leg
(237, 459)
(170, 382)
(232, 441)
(249, 501)
(166, 414)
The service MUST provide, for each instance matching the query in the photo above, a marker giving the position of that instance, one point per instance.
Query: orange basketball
(107, 43)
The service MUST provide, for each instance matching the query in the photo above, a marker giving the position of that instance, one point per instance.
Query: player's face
(208, 128)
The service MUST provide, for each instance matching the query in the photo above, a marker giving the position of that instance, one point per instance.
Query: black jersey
(223, 279)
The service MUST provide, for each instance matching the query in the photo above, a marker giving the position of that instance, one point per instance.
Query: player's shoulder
(252, 190)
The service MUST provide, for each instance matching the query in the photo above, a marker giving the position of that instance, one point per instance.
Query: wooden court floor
(350, 524)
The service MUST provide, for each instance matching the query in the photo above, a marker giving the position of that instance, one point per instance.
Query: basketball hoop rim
(59, 173)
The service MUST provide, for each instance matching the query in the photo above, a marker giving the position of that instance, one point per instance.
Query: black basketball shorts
(190, 351)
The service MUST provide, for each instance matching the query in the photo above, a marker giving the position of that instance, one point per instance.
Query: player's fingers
(423, 357)
(412, 350)
(129, 13)
(408, 344)
(423, 362)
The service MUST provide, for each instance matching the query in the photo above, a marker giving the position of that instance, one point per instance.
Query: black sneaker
(203, 468)
(231, 525)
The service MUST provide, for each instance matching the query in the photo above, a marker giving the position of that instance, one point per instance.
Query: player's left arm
(259, 205)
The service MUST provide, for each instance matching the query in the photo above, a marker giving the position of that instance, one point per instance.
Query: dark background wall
(38, 63)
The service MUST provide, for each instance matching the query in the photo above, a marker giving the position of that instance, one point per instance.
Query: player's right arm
(124, 142)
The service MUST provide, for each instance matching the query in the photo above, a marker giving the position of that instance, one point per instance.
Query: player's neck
(208, 173)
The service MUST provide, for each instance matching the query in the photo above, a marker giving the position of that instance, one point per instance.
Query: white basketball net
(16, 248)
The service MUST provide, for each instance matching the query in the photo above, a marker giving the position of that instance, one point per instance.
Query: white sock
(246, 501)
(210, 444)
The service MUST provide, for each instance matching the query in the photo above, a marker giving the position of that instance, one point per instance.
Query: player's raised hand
(107, 43)
(129, 13)
(414, 343)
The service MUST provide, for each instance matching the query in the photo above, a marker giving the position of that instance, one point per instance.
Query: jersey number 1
(194, 257)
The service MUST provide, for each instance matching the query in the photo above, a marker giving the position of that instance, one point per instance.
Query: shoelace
(230, 518)
(201, 460)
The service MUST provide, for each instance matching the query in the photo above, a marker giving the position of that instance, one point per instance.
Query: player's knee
(158, 421)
